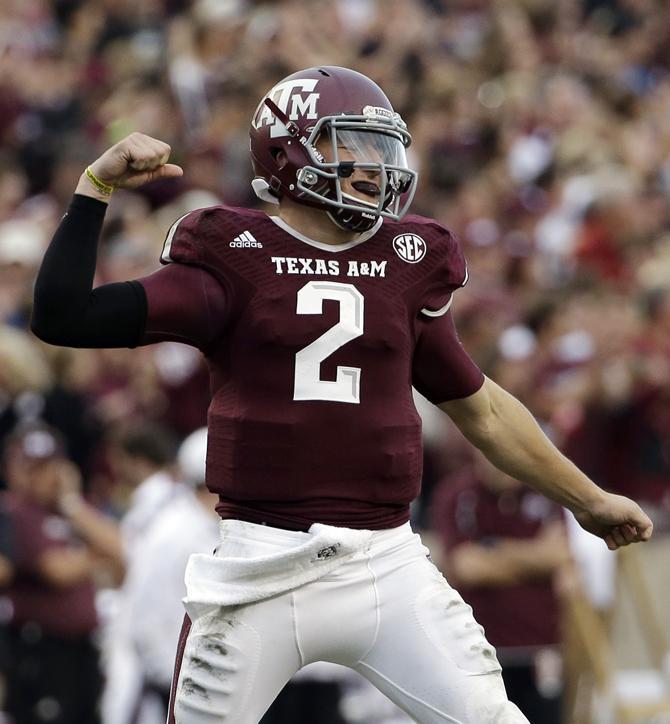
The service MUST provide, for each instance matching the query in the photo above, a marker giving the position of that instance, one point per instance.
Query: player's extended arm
(508, 435)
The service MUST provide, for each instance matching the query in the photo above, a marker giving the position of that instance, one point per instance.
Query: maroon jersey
(66, 611)
(313, 349)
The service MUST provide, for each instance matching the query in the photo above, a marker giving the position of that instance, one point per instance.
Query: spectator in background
(503, 547)
(154, 586)
(6, 546)
(25, 377)
(53, 674)
(6, 574)
(541, 133)
(36, 384)
(21, 242)
(144, 457)
(622, 431)
(639, 448)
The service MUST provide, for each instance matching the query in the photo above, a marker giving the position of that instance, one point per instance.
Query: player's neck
(313, 223)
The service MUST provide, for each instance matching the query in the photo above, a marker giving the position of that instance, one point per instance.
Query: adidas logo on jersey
(245, 241)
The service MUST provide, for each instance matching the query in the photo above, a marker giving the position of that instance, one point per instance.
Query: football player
(316, 322)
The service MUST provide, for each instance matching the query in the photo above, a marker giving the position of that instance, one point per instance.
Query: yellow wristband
(101, 186)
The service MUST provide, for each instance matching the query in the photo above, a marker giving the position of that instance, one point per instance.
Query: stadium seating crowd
(541, 132)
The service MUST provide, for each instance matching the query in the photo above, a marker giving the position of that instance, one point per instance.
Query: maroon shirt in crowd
(312, 350)
(65, 611)
(518, 616)
(627, 450)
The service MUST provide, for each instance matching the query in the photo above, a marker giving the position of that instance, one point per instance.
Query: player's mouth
(367, 187)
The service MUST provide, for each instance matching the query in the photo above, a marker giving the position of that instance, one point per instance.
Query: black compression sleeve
(67, 311)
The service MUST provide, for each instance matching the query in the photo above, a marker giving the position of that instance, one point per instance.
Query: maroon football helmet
(363, 132)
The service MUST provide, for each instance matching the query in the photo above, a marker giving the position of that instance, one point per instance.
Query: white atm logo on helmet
(410, 247)
(295, 97)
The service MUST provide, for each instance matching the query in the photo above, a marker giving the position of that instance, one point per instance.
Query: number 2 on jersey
(308, 384)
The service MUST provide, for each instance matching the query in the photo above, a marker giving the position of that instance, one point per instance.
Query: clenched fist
(617, 520)
(133, 161)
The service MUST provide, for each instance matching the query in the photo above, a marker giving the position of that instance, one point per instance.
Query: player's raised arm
(508, 435)
(68, 311)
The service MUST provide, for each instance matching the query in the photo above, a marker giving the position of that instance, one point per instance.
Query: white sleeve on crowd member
(155, 584)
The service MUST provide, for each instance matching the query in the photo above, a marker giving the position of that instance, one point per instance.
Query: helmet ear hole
(279, 156)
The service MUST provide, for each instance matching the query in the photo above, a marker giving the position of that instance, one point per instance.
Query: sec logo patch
(410, 247)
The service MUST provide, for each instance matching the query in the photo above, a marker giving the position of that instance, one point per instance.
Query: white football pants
(384, 611)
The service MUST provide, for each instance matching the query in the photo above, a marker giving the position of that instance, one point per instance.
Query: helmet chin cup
(352, 220)
(361, 219)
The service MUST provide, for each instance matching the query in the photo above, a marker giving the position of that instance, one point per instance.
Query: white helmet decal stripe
(289, 97)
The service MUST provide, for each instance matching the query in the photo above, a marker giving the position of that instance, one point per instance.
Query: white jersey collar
(327, 247)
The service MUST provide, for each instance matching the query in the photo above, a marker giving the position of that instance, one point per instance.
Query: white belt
(231, 578)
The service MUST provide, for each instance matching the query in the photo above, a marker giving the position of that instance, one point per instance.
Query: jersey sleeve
(449, 274)
(190, 299)
(442, 370)
(184, 304)
(183, 242)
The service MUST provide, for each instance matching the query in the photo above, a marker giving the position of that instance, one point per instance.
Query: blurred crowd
(541, 133)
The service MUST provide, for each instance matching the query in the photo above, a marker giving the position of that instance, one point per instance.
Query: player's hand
(617, 520)
(135, 160)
